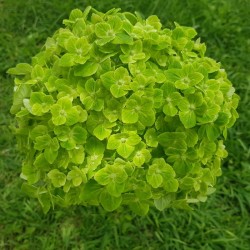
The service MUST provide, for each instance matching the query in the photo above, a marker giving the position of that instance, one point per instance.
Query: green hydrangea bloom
(119, 111)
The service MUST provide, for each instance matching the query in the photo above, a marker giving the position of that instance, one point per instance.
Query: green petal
(117, 91)
(102, 29)
(42, 142)
(147, 118)
(123, 38)
(151, 137)
(76, 176)
(196, 77)
(129, 116)
(192, 137)
(20, 93)
(94, 146)
(133, 139)
(103, 176)
(87, 69)
(50, 154)
(139, 159)
(108, 79)
(72, 116)
(77, 155)
(164, 202)
(170, 110)
(125, 150)
(79, 134)
(57, 178)
(188, 118)
(39, 130)
(101, 132)
(171, 185)
(113, 142)
(59, 120)
(75, 14)
(115, 189)
(20, 69)
(155, 180)
(67, 60)
(109, 202)
(139, 207)
(91, 86)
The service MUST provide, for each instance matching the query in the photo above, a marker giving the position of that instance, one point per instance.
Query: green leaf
(109, 202)
(57, 178)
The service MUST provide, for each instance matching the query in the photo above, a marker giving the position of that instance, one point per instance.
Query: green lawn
(223, 222)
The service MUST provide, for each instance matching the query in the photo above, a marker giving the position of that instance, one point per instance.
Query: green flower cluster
(116, 110)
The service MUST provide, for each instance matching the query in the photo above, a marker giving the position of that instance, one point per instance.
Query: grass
(223, 222)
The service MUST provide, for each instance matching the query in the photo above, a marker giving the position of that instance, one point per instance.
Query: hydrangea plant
(118, 111)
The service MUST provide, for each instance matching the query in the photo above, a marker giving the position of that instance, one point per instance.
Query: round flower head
(119, 111)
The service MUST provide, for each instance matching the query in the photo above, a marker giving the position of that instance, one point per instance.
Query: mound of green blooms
(119, 111)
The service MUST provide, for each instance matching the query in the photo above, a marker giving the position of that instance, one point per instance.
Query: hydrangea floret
(118, 111)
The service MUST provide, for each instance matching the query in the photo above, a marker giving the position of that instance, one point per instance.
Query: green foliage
(116, 110)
